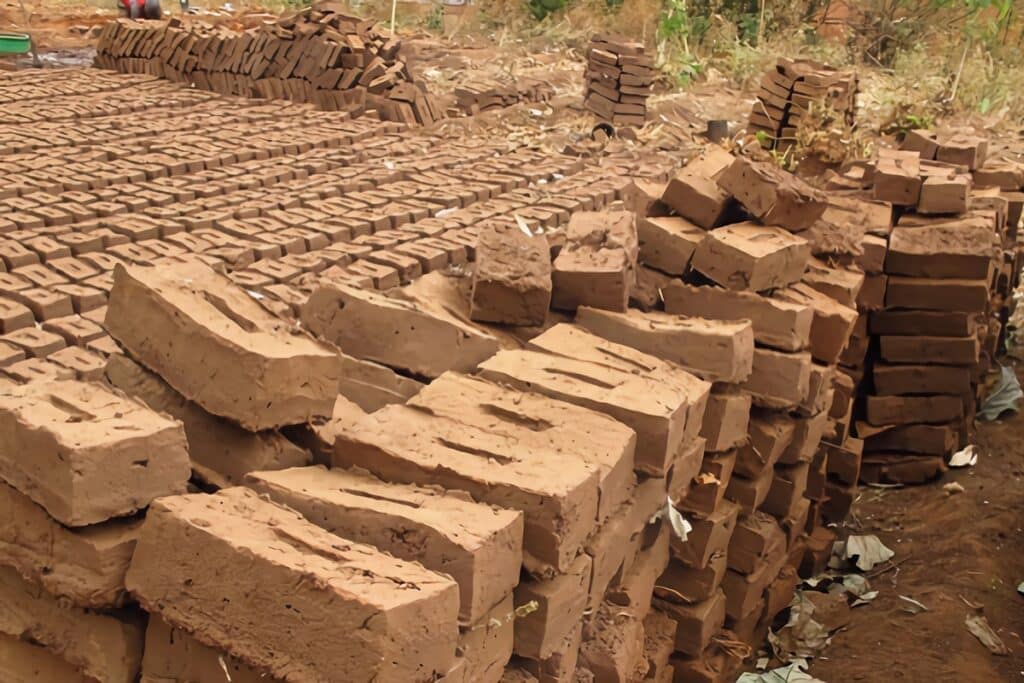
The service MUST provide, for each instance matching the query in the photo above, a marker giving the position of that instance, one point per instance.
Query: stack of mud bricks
(747, 308)
(788, 94)
(948, 258)
(484, 95)
(319, 55)
(619, 77)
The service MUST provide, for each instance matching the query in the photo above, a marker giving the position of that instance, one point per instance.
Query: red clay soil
(950, 550)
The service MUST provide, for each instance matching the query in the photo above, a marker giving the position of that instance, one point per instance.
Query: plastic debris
(980, 628)
(965, 457)
(1004, 396)
(863, 552)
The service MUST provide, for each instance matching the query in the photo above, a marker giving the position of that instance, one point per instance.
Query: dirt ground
(951, 551)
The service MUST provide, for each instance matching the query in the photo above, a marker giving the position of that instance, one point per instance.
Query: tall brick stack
(619, 77)
(320, 55)
(790, 90)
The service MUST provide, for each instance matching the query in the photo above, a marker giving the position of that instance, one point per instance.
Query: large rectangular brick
(614, 648)
(371, 385)
(832, 325)
(85, 453)
(480, 546)
(557, 493)
(425, 343)
(780, 324)
(697, 624)
(726, 419)
(969, 296)
(936, 350)
(188, 324)
(102, 646)
(511, 278)
(173, 655)
(921, 379)
(770, 435)
(716, 351)
(753, 257)
(779, 380)
(221, 452)
(929, 323)
(772, 194)
(84, 566)
(485, 647)
(286, 588)
(597, 265)
(693, 192)
(542, 422)
(913, 438)
(561, 601)
(961, 249)
(22, 661)
(899, 410)
(667, 243)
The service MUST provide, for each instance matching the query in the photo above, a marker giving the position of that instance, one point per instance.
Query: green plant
(435, 19)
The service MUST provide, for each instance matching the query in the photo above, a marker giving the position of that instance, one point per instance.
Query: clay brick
(841, 284)
(45, 304)
(21, 660)
(659, 643)
(898, 410)
(709, 537)
(561, 601)
(715, 665)
(743, 592)
(287, 625)
(512, 278)
(842, 462)
(693, 192)
(559, 426)
(937, 350)
(936, 295)
(773, 195)
(10, 354)
(807, 434)
(820, 391)
(152, 312)
(770, 434)
(34, 342)
(680, 582)
(961, 249)
(756, 538)
(749, 256)
(944, 194)
(659, 412)
(832, 325)
(74, 329)
(886, 468)
(928, 323)
(558, 495)
(172, 654)
(779, 380)
(372, 386)
(897, 177)
(221, 452)
(750, 494)
(14, 316)
(708, 488)
(614, 648)
(913, 438)
(597, 265)
(779, 324)
(423, 342)
(697, 624)
(726, 420)
(485, 647)
(70, 426)
(667, 243)
(787, 490)
(102, 646)
(84, 566)
(720, 351)
(479, 546)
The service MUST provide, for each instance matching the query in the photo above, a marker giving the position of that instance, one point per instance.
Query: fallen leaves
(979, 627)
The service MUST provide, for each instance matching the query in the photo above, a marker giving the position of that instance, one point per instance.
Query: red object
(127, 5)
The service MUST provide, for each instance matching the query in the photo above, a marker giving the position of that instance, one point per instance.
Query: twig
(959, 72)
(889, 568)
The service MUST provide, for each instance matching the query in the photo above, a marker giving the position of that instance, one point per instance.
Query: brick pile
(320, 55)
(790, 91)
(619, 77)
(481, 95)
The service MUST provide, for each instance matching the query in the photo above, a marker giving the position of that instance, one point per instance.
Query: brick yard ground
(543, 334)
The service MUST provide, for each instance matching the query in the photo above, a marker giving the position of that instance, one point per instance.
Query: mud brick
(48, 248)
(963, 150)
(756, 538)
(936, 294)
(614, 648)
(832, 323)
(750, 494)
(771, 434)
(150, 309)
(897, 177)
(873, 258)
(555, 425)
(696, 624)
(74, 329)
(900, 410)
(561, 601)
(84, 566)
(558, 496)
(779, 380)
(842, 462)
(928, 323)
(748, 256)
(10, 354)
(102, 646)
(659, 643)
(955, 250)
(512, 278)
(715, 665)
(667, 243)
(34, 342)
(913, 438)
(612, 549)
(236, 528)
(634, 589)
(884, 468)
(944, 195)
(773, 195)
(708, 488)
(743, 592)
(41, 275)
(15, 255)
(383, 276)
(820, 391)
(709, 537)
(787, 490)
(345, 315)
(936, 350)
(685, 467)
(726, 420)
(691, 584)
(597, 265)
(714, 350)
(807, 434)
(694, 193)
(407, 267)
(173, 654)
(840, 284)
(480, 546)
(921, 141)
(872, 294)
(661, 412)
(14, 316)
(85, 364)
(25, 661)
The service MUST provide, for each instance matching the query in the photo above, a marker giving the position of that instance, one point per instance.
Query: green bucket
(15, 43)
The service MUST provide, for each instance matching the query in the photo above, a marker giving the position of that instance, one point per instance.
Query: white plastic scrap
(864, 552)
(791, 673)
(966, 457)
(680, 526)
